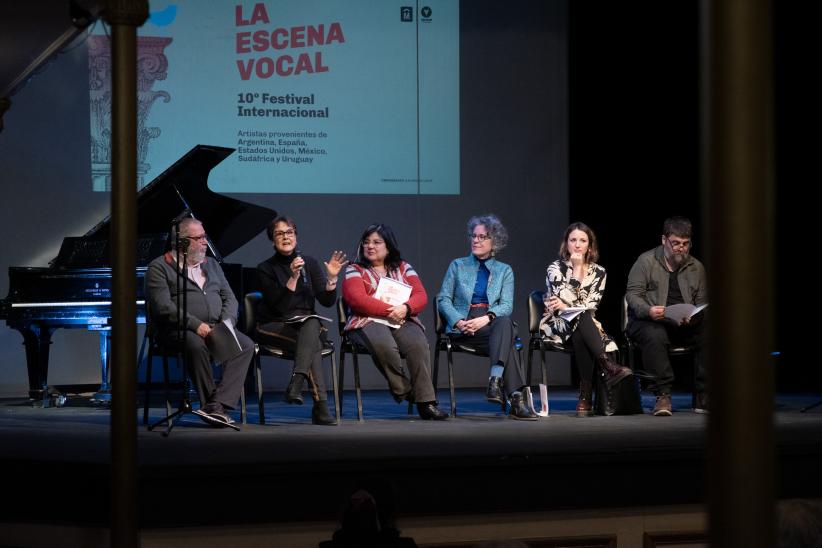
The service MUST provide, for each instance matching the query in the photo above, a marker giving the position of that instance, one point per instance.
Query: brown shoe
(613, 371)
(584, 402)
(663, 406)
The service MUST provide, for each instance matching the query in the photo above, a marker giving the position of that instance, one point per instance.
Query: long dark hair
(394, 257)
(593, 249)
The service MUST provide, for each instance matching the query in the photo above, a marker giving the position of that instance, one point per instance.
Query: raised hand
(335, 263)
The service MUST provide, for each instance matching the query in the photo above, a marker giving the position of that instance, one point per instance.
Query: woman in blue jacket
(476, 300)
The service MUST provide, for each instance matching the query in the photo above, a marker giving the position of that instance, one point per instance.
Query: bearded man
(660, 277)
(209, 302)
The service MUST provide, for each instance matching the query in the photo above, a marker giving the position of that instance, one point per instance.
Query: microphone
(302, 268)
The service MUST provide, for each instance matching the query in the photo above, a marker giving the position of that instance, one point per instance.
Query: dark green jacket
(648, 283)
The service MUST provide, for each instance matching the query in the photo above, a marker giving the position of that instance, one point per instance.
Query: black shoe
(293, 394)
(430, 412)
(519, 410)
(320, 414)
(210, 419)
(494, 392)
(216, 409)
(225, 417)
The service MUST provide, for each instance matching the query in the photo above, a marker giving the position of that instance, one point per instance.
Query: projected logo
(407, 14)
(425, 13)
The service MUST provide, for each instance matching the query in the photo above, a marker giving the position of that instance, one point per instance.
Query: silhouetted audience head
(368, 520)
(799, 523)
(360, 516)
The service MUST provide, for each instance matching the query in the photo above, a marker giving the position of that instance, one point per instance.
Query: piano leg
(103, 395)
(37, 340)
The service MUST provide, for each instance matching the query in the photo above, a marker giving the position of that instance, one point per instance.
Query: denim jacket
(454, 298)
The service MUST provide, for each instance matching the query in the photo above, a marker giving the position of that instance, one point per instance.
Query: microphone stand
(179, 343)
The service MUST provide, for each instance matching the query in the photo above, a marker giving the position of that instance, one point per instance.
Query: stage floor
(480, 461)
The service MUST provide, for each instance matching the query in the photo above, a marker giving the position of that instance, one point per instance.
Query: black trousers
(498, 340)
(654, 339)
(305, 340)
(587, 342)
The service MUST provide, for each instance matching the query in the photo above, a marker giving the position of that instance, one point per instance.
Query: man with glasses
(664, 276)
(209, 302)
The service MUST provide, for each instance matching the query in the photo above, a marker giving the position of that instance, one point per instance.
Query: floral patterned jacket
(586, 292)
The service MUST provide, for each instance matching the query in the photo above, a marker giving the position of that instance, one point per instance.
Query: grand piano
(74, 291)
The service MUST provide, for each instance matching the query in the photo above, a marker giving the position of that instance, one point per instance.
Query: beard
(676, 259)
(196, 256)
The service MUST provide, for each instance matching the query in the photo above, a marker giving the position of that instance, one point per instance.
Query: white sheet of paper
(678, 312)
(543, 400)
(392, 292)
(572, 312)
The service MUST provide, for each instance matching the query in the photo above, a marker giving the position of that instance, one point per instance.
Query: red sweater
(361, 283)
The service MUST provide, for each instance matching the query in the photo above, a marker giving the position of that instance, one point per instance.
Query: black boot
(519, 410)
(293, 394)
(494, 392)
(613, 371)
(320, 414)
(430, 412)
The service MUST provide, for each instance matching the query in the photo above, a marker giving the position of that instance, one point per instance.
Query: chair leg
(451, 387)
(693, 392)
(148, 384)
(258, 377)
(336, 387)
(528, 364)
(166, 384)
(341, 384)
(436, 376)
(242, 406)
(357, 386)
(411, 405)
(543, 365)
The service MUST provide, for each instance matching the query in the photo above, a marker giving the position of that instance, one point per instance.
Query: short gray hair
(495, 228)
(185, 224)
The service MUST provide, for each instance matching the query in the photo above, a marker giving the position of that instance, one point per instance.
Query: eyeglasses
(372, 242)
(480, 237)
(279, 234)
(685, 244)
(197, 238)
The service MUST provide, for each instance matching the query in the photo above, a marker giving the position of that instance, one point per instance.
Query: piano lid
(229, 223)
